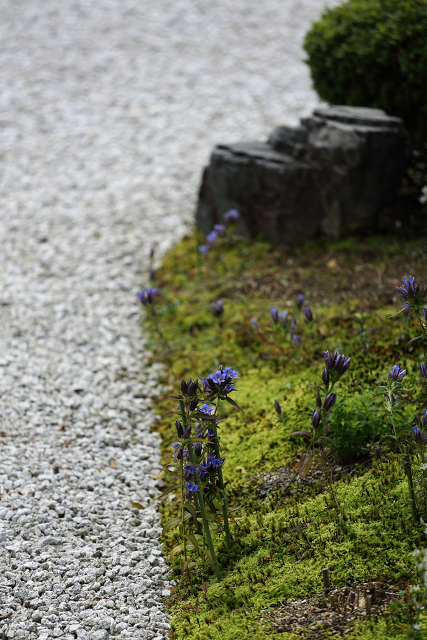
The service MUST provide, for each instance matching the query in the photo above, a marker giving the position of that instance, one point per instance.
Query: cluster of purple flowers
(411, 294)
(219, 230)
(281, 318)
(220, 383)
(209, 467)
(146, 296)
(396, 373)
(336, 365)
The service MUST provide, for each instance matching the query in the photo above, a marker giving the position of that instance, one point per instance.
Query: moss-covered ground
(281, 543)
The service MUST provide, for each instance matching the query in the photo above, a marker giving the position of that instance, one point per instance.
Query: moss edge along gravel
(282, 542)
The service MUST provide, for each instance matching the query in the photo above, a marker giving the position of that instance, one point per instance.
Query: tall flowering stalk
(336, 365)
(197, 467)
(414, 300)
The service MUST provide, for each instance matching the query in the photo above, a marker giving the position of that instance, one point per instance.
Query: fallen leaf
(113, 463)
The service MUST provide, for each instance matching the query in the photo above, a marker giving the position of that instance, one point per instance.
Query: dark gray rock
(330, 176)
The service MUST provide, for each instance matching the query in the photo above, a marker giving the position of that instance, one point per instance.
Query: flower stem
(408, 471)
(201, 499)
(221, 486)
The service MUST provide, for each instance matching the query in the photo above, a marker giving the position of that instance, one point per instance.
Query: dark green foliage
(354, 423)
(373, 53)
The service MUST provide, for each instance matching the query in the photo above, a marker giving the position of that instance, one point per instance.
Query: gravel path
(108, 111)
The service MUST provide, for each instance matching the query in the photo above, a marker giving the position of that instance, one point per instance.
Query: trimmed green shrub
(373, 53)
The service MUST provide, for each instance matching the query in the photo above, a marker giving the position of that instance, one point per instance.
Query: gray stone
(330, 176)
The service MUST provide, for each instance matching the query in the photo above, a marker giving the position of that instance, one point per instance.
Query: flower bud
(423, 369)
(187, 431)
(396, 373)
(274, 314)
(179, 429)
(328, 359)
(183, 387)
(308, 314)
(277, 408)
(329, 401)
(300, 300)
(193, 404)
(318, 401)
(198, 449)
(325, 377)
(315, 419)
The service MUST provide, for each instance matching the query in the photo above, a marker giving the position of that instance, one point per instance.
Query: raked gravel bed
(108, 111)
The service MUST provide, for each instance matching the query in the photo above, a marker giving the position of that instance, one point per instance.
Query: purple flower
(296, 339)
(198, 449)
(325, 376)
(330, 400)
(336, 362)
(210, 466)
(204, 248)
(410, 291)
(300, 300)
(191, 489)
(308, 314)
(255, 324)
(315, 419)
(425, 314)
(231, 216)
(207, 409)
(189, 388)
(423, 369)
(217, 308)
(396, 373)
(146, 296)
(189, 472)
(177, 450)
(419, 434)
(277, 408)
(220, 229)
(220, 382)
(212, 237)
(274, 314)
(179, 429)
(318, 401)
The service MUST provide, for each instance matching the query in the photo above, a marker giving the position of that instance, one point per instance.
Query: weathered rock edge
(330, 176)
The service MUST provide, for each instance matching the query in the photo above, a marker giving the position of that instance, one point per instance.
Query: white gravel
(108, 111)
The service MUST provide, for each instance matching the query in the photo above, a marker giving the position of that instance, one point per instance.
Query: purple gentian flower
(419, 434)
(315, 419)
(308, 314)
(209, 410)
(425, 314)
(325, 376)
(220, 229)
(189, 472)
(300, 300)
(255, 324)
(212, 237)
(278, 408)
(274, 314)
(231, 216)
(330, 400)
(146, 296)
(396, 373)
(217, 308)
(423, 369)
(296, 339)
(191, 489)
(220, 381)
(204, 248)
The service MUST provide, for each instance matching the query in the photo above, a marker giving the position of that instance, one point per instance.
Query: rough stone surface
(108, 109)
(330, 176)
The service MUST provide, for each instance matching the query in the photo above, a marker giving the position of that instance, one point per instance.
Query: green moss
(282, 545)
